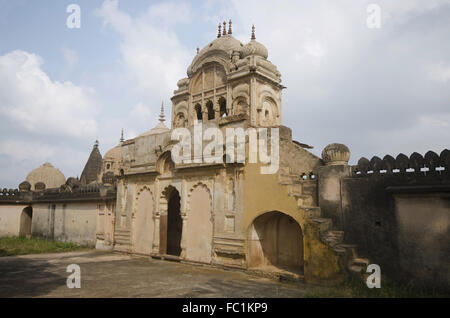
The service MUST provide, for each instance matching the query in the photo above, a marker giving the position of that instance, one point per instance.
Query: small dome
(25, 186)
(39, 186)
(336, 154)
(47, 174)
(158, 129)
(114, 154)
(255, 48)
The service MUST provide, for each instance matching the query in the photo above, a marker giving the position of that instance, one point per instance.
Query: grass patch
(22, 245)
(356, 288)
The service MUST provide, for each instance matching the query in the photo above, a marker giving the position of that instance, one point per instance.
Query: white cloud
(32, 101)
(439, 72)
(152, 54)
(27, 150)
(376, 90)
(70, 58)
(141, 112)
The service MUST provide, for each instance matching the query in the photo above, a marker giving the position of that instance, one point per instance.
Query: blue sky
(380, 91)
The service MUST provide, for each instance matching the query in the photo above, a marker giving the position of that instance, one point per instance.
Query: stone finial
(121, 137)
(336, 154)
(219, 33)
(96, 144)
(229, 27)
(224, 31)
(39, 186)
(161, 115)
(24, 186)
(253, 32)
(198, 49)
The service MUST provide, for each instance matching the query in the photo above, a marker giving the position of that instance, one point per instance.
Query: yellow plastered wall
(263, 193)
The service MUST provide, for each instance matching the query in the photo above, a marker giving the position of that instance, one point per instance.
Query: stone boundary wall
(397, 211)
(68, 213)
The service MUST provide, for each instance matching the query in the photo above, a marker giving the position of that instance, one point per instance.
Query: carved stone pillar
(183, 234)
(155, 245)
(217, 110)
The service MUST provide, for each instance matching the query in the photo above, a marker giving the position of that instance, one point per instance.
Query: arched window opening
(198, 111)
(223, 107)
(168, 165)
(210, 108)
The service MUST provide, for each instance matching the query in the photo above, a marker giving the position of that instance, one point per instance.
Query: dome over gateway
(47, 174)
(224, 45)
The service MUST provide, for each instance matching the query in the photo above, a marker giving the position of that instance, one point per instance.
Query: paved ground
(106, 274)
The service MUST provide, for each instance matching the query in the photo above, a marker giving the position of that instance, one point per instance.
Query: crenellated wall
(82, 214)
(397, 211)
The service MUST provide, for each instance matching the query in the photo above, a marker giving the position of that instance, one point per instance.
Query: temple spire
(224, 28)
(229, 27)
(219, 31)
(96, 144)
(121, 137)
(253, 32)
(161, 115)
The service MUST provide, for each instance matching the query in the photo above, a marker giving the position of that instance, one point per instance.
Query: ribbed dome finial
(219, 33)
(161, 115)
(253, 32)
(229, 28)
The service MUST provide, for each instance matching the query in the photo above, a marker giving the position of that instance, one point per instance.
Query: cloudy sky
(378, 90)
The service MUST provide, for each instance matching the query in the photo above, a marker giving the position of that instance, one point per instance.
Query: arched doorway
(275, 242)
(174, 223)
(25, 221)
(199, 228)
(143, 223)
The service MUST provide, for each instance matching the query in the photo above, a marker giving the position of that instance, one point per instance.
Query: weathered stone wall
(70, 222)
(407, 235)
(105, 225)
(329, 192)
(423, 236)
(10, 219)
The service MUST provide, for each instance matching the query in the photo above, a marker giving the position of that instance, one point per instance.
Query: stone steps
(122, 237)
(311, 211)
(323, 223)
(333, 238)
(358, 266)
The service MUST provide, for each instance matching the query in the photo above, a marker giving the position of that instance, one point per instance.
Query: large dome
(49, 175)
(225, 45)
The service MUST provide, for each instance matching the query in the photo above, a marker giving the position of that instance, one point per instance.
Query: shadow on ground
(28, 278)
